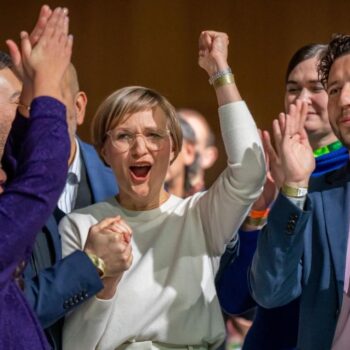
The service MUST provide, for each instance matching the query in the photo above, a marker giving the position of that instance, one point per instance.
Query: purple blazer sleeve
(36, 160)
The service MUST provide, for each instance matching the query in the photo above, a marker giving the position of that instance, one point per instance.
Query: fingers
(104, 224)
(50, 28)
(69, 44)
(204, 44)
(44, 15)
(62, 24)
(26, 46)
(125, 226)
(297, 115)
(277, 125)
(303, 115)
(14, 52)
(269, 149)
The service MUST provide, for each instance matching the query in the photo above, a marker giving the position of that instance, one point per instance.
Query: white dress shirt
(68, 197)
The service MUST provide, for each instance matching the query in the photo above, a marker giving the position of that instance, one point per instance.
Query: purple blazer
(36, 162)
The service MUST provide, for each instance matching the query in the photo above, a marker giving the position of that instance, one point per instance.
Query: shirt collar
(75, 167)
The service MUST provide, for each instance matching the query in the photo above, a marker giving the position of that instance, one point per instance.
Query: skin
(339, 98)
(175, 177)
(75, 102)
(303, 84)
(10, 90)
(208, 154)
(146, 193)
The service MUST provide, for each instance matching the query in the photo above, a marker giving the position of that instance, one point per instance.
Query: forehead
(199, 128)
(340, 69)
(9, 83)
(304, 71)
(146, 118)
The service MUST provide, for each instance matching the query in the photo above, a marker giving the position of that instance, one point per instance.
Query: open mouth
(140, 172)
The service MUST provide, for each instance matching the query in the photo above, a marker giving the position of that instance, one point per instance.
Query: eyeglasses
(122, 139)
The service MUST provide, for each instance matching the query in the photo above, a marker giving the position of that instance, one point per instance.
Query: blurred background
(154, 43)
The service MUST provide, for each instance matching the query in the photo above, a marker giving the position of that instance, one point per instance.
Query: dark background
(154, 43)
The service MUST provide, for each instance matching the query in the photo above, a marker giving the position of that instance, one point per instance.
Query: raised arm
(31, 194)
(224, 207)
(276, 268)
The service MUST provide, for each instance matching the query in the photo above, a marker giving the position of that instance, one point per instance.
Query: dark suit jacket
(35, 160)
(54, 286)
(302, 253)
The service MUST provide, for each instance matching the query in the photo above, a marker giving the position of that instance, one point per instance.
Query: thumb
(14, 52)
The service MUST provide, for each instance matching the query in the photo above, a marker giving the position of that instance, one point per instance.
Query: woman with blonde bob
(167, 298)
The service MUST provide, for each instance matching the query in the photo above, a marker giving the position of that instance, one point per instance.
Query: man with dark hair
(304, 249)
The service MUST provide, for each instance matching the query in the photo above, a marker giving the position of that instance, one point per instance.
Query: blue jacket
(302, 254)
(272, 329)
(54, 286)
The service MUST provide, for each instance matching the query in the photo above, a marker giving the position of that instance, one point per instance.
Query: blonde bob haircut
(132, 99)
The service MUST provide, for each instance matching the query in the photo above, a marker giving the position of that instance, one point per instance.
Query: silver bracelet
(219, 74)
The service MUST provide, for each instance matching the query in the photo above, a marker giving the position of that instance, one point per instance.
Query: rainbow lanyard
(328, 149)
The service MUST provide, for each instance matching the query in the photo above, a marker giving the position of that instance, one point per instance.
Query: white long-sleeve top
(168, 294)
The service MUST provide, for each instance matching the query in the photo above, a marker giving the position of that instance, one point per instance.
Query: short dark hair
(304, 53)
(5, 60)
(339, 46)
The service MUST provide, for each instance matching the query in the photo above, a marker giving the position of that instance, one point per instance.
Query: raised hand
(34, 36)
(213, 51)
(45, 63)
(293, 153)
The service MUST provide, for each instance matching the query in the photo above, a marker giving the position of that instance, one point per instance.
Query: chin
(141, 191)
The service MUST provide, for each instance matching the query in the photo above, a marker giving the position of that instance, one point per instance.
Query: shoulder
(330, 180)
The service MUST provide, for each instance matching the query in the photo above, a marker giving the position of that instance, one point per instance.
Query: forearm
(40, 176)
(246, 161)
(276, 271)
(232, 285)
(62, 287)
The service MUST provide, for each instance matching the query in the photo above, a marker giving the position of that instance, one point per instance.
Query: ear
(80, 103)
(209, 157)
(188, 152)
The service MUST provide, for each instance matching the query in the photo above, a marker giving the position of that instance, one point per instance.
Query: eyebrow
(15, 94)
(309, 81)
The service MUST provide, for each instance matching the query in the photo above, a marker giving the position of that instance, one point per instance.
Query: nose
(344, 98)
(139, 146)
(305, 95)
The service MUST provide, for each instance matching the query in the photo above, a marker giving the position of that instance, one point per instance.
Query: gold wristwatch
(98, 263)
(295, 192)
